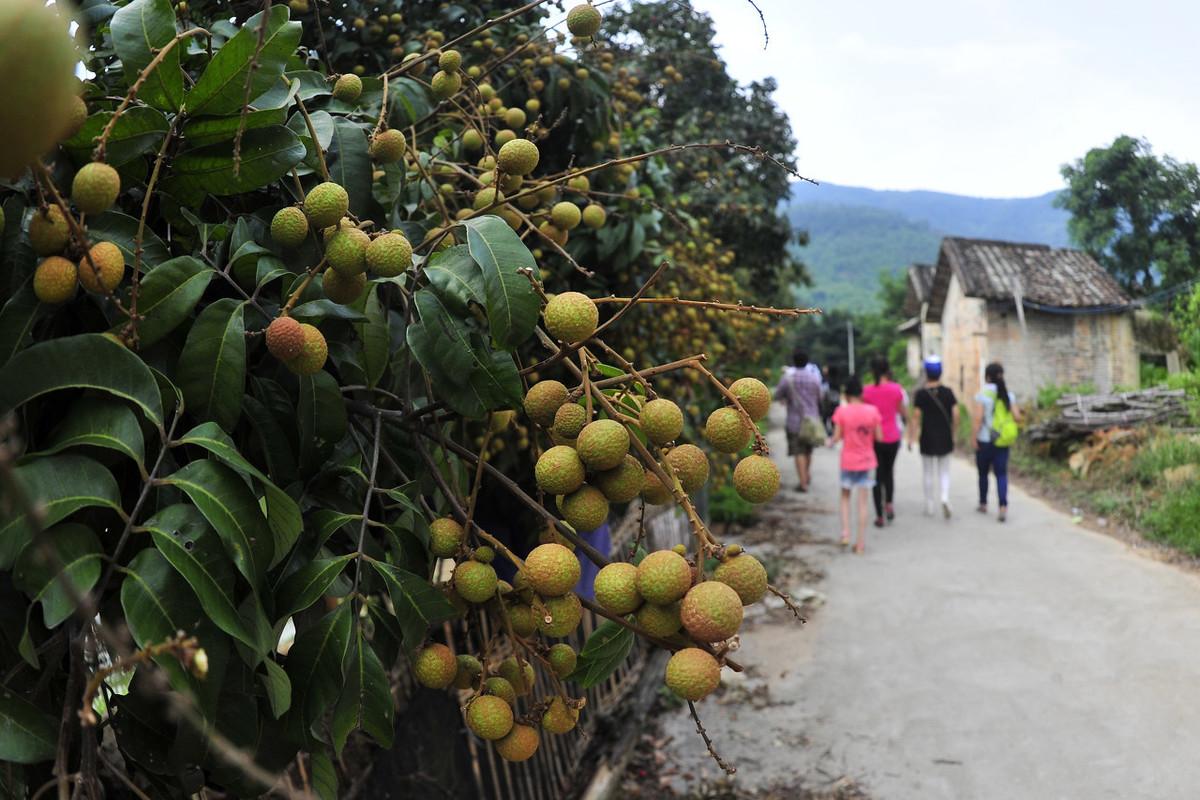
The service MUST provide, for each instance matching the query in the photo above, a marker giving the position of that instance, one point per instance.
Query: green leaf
(376, 341)
(512, 306)
(605, 650)
(86, 361)
(27, 734)
(308, 584)
(314, 666)
(212, 366)
(99, 422)
(326, 522)
(266, 155)
(210, 130)
(417, 604)
(186, 540)
(322, 419)
(324, 776)
(79, 553)
(138, 131)
(273, 440)
(410, 102)
(139, 31)
(121, 230)
(456, 277)
(62, 484)
(278, 686)
(350, 164)
(167, 296)
(233, 511)
(324, 308)
(16, 321)
(283, 515)
(366, 700)
(221, 88)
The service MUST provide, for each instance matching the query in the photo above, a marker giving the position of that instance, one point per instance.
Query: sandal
(879, 522)
(1003, 515)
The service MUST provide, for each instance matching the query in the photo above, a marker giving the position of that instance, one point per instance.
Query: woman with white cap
(935, 418)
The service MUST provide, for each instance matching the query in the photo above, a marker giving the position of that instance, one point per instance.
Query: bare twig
(241, 129)
(712, 751)
(787, 601)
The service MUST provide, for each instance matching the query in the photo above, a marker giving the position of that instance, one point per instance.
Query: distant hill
(856, 232)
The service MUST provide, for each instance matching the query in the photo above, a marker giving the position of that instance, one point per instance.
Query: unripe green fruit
(289, 227)
(519, 674)
(615, 588)
(48, 232)
(580, 183)
(342, 289)
(661, 421)
(503, 137)
(661, 621)
(602, 444)
(585, 509)
(519, 745)
(103, 271)
(559, 718)
(54, 280)
(387, 147)
(450, 60)
(485, 555)
(347, 88)
(554, 234)
(711, 611)
(562, 658)
(594, 216)
(518, 157)
(313, 352)
(445, 537)
(693, 674)
(727, 431)
(501, 688)
(389, 255)
(553, 570)
(468, 672)
(435, 667)
(346, 251)
(95, 187)
(565, 614)
(472, 140)
(445, 84)
(326, 204)
(489, 717)
(488, 196)
(522, 619)
(583, 20)
(663, 577)
(565, 215)
(39, 95)
(569, 420)
(559, 470)
(691, 465)
(756, 479)
(514, 118)
(654, 492)
(754, 396)
(571, 317)
(744, 574)
(476, 582)
(543, 400)
(623, 482)
(486, 92)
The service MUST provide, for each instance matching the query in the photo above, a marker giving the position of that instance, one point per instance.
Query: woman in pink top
(888, 396)
(857, 426)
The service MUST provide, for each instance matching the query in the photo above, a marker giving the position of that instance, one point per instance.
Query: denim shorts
(857, 479)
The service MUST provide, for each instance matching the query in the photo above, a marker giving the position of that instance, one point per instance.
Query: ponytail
(880, 367)
(994, 373)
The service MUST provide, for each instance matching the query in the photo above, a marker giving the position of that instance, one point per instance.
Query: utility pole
(850, 343)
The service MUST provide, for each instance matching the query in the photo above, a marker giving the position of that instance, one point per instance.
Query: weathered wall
(963, 340)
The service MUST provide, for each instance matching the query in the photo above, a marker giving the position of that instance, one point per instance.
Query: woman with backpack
(994, 428)
(935, 418)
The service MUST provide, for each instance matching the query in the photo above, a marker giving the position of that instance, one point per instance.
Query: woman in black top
(935, 418)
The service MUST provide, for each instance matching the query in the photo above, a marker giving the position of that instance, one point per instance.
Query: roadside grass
(1175, 520)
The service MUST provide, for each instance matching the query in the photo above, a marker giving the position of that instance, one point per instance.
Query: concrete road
(972, 659)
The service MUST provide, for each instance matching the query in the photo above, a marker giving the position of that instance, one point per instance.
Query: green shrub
(1162, 453)
(1176, 520)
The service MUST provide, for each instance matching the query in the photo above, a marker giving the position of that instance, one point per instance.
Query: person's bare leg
(801, 483)
(805, 461)
(845, 509)
(861, 545)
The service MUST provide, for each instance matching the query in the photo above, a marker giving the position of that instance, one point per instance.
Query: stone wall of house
(963, 340)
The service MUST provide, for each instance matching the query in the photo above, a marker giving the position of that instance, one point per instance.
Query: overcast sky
(980, 97)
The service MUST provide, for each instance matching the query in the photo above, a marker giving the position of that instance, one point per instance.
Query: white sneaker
(929, 508)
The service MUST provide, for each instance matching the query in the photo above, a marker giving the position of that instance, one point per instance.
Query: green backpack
(1004, 424)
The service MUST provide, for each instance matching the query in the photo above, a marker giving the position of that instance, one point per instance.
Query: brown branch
(787, 601)
(183, 647)
(299, 290)
(715, 305)
(136, 278)
(241, 129)
(368, 496)
(712, 751)
(312, 131)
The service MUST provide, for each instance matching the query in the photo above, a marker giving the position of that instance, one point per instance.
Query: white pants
(939, 465)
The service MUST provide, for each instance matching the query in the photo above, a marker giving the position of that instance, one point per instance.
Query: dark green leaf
(314, 666)
(78, 553)
(440, 340)
(212, 366)
(273, 440)
(350, 164)
(168, 294)
(322, 419)
(62, 484)
(139, 31)
(417, 604)
(232, 509)
(99, 422)
(322, 122)
(376, 341)
(456, 277)
(89, 360)
(185, 539)
(316, 310)
(326, 522)
(324, 776)
(279, 688)
(266, 155)
(366, 700)
(605, 650)
(283, 515)
(121, 230)
(410, 102)
(210, 130)
(138, 131)
(27, 734)
(16, 320)
(221, 88)
(512, 306)
(308, 584)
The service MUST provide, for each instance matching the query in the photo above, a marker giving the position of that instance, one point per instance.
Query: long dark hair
(994, 373)
(852, 387)
(879, 366)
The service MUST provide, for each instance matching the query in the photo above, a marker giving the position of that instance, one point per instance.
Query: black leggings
(885, 484)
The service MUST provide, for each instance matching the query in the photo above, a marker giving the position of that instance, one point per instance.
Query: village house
(1052, 316)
